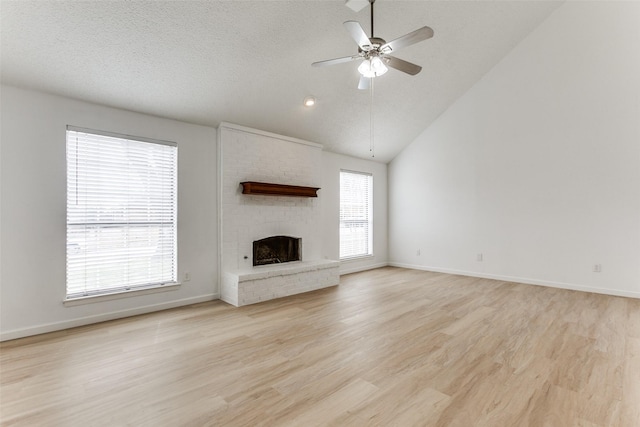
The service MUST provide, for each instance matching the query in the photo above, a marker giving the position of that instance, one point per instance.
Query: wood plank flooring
(388, 347)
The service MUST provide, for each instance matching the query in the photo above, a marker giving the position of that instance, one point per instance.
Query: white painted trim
(362, 268)
(232, 126)
(522, 280)
(121, 135)
(58, 326)
(219, 188)
(72, 302)
(357, 258)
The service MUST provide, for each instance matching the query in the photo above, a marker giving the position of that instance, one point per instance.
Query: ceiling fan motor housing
(376, 42)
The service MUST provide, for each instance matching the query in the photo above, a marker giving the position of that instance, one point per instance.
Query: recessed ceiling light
(309, 101)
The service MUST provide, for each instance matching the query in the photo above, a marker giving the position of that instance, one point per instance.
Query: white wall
(332, 164)
(33, 211)
(537, 167)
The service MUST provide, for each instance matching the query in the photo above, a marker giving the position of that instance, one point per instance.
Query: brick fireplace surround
(250, 155)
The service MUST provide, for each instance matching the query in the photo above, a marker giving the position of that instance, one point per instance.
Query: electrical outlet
(418, 252)
(187, 276)
(597, 268)
(480, 257)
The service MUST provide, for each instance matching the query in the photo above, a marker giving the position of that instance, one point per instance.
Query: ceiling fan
(375, 52)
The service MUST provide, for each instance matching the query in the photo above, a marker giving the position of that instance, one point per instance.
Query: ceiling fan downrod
(372, 2)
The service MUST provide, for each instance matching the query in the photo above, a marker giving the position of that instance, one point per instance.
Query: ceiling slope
(249, 62)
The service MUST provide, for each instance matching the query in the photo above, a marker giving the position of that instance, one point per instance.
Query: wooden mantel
(263, 188)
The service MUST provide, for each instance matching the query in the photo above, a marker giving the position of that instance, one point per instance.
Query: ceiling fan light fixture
(378, 66)
(373, 67)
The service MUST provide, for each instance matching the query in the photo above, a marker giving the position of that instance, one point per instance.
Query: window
(121, 213)
(356, 225)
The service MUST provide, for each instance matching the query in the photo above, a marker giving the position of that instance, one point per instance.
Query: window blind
(121, 213)
(356, 225)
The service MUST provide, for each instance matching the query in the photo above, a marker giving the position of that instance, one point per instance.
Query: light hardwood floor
(388, 347)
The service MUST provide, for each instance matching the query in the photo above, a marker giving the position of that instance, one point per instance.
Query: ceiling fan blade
(336, 61)
(358, 34)
(364, 83)
(401, 64)
(407, 40)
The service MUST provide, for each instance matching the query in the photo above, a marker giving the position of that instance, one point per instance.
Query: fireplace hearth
(276, 250)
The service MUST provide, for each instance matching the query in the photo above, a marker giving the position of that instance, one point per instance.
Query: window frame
(370, 217)
(169, 201)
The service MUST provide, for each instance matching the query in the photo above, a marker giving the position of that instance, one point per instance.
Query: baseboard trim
(58, 326)
(523, 280)
(362, 268)
(67, 324)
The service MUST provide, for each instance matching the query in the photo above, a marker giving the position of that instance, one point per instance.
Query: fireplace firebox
(276, 250)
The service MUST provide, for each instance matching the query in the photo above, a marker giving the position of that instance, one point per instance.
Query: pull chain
(371, 128)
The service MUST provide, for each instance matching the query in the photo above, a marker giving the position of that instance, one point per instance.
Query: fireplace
(276, 250)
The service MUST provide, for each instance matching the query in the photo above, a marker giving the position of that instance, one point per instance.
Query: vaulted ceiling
(249, 62)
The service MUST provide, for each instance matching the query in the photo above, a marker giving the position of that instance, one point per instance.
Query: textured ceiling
(249, 62)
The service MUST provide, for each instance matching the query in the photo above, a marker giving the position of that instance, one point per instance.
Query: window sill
(119, 295)
(356, 258)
